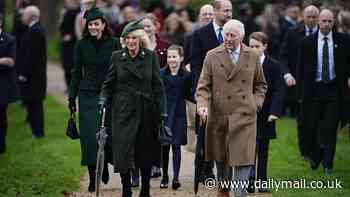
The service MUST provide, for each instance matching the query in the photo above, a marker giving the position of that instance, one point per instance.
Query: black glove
(72, 106)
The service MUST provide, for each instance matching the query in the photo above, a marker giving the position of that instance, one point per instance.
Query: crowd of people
(229, 76)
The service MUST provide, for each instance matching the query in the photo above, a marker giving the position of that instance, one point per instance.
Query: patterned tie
(325, 61)
(220, 38)
(309, 32)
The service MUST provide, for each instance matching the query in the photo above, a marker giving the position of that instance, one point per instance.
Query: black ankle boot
(126, 184)
(92, 177)
(105, 175)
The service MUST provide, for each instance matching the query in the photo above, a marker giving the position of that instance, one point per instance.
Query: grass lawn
(46, 167)
(286, 164)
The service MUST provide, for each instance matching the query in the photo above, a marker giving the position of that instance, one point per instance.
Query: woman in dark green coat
(91, 60)
(134, 86)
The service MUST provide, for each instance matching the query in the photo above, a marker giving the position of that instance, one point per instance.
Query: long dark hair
(107, 32)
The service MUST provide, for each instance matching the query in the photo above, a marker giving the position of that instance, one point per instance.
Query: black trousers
(302, 136)
(35, 114)
(321, 124)
(263, 155)
(3, 127)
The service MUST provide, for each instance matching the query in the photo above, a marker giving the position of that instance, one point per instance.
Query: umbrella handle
(103, 117)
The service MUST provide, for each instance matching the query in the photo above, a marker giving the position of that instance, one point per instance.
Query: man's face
(224, 13)
(206, 15)
(326, 22)
(310, 18)
(293, 12)
(26, 17)
(232, 38)
(129, 13)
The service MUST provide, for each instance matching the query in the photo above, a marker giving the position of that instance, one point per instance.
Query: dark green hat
(132, 26)
(93, 14)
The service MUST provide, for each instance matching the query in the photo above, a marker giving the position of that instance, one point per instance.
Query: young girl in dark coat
(177, 83)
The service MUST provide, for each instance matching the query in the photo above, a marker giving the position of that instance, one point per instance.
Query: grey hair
(34, 11)
(236, 24)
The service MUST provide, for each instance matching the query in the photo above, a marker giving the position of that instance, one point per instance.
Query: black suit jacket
(32, 61)
(290, 49)
(307, 68)
(273, 99)
(203, 40)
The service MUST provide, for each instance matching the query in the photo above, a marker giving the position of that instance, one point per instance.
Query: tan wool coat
(233, 93)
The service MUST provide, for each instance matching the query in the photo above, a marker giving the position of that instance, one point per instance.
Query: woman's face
(132, 42)
(149, 27)
(259, 46)
(173, 59)
(96, 27)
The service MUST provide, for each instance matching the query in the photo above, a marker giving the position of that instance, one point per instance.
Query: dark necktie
(220, 38)
(309, 32)
(325, 61)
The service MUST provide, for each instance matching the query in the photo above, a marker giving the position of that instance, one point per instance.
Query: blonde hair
(145, 42)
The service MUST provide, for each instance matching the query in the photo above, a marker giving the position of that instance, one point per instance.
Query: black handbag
(165, 136)
(72, 130)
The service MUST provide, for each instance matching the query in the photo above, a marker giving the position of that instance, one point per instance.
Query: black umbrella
(101, 140)
(199, 157)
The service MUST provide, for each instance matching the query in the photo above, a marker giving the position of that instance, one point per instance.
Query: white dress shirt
(262, 59)
(313, 30)
(320, 43)
(217, 30)
(234, 54)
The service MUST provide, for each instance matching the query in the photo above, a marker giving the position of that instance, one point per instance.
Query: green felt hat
(132, 26)
(93, 14)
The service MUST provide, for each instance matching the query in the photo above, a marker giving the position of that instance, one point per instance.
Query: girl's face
(259, 46)
(174, 59)
(132, 42)
(96, 27)
(149, 27)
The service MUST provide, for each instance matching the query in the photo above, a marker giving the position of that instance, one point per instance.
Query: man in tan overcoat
(230, 91)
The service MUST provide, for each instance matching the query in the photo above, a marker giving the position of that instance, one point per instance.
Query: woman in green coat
(91, 60)
(134, 85)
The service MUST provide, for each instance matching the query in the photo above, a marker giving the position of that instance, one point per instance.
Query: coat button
(222, 65)
(243, 81)
(229, 97)
(243, 97)
(245, 113)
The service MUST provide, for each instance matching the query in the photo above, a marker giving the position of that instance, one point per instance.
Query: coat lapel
(336, 44)
(226, 62)
(129, 65)
(243, 59)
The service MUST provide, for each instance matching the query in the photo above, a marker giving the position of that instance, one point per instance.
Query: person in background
(177, 83)
(289, 64)
(79, 20)
(271, 109)
(32, 67)
(324, 82)
(8, 80)
(129, 13)
(290, 19)
(174, 29)
(91, 59)
(159, 45)
(68, 37)
(138, 108)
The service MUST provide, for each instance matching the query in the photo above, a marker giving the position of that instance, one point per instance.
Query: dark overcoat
(8, 79)
(136, 91)
(307, 68)
(273, 101)
(177, 89)
(88, 73)
(32, 63)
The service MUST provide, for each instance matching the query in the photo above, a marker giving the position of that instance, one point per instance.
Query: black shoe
(91, 186)
(176, 184)
(135, 182)
(164, 183)
(251, 188)
(314, 164)
(156, 172)
(127, 193)
(263, 190)
(105, 175)
(328, 171)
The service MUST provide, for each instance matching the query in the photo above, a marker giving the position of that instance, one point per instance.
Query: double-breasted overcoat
(233, 92)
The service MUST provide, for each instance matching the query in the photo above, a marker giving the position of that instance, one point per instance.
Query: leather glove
(72, 105)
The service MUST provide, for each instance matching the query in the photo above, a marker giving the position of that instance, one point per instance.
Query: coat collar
(129, 63)
(230, 67)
